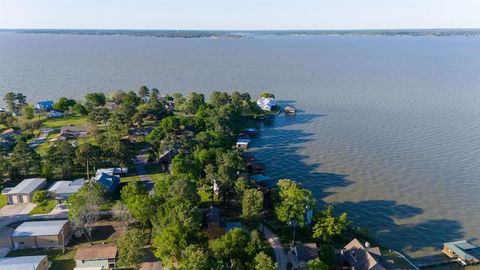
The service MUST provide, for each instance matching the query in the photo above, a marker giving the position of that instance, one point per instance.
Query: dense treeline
(198, 135)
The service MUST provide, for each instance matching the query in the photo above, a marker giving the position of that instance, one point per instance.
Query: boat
(290, 110)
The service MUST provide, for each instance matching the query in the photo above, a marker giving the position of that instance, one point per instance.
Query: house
(109, 181)
(358, 256)
(46, 105)
(266, 104)
(301, 253)
(464, 251)
(24, 263)
(77, 131)
(62, 190)
(103, 256)
(55, 114)
(243, 143)
(10, 133)
(23, 192)
(113, 171)
(41, 234)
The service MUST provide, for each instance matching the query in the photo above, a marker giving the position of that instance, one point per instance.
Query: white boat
(290, 110)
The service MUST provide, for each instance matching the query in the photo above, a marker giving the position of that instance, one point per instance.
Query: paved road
(274, 241)
(139, 166)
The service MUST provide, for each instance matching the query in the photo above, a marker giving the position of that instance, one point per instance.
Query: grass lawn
(155, 171)
(59, 261)
(3, 200)
(205, 196)
(130, 178)
(65, 121)
(44, 210)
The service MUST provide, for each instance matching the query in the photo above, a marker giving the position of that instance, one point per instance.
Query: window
(21, 243)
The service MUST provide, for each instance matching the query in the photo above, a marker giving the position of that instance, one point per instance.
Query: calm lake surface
(389, 128)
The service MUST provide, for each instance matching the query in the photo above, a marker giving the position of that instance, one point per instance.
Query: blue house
(46, 105)
(109, 181)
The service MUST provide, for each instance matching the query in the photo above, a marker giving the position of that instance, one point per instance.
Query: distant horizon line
(246, 30)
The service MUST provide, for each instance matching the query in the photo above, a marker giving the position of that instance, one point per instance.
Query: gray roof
(21, 263)
(39, 228)
(27, 186)
(62, 187)
(464, 250)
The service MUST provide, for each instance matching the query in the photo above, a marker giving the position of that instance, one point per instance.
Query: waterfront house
(103, 256)
(41, 234)
(266, 104)
(46, 105)
(301, 253)
(24, 263)
(62, 190)
(242, 143)
(23, 192)
(358, 256)
(464, 251)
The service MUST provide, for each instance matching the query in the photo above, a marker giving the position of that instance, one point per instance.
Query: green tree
(176, 226)
(144, 93)
(327, 255)
(195, 258)
(328, 226)
(60, 158)
(264, 262)
(9, 99)
(24, 160)
(293, 202)
(79, 109)
(139, 203)
(118, 151)
(87, 155)
(317, 264)
(94, 100)
(130, 249)
(194, 101)
(84, 207)
(28, 112)
(99, 115)
(64, 104)
(235, 249)
(40, 198)
(252, 206)
(267, 95)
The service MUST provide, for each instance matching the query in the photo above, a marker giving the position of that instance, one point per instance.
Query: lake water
(388, 128)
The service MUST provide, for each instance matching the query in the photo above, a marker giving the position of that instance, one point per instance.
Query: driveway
(59, 209)
(17, 209)
(274, 242)
(144, 177)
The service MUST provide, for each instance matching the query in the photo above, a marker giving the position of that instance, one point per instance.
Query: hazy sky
(240, 14)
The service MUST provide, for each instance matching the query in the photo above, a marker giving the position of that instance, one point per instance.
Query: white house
(23, 192)
(24, 263)
(266, 104)
(55, 114)
(62, 190)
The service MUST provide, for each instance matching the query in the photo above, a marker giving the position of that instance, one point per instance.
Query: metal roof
(21, 263)
(27, 186)
(461, 247)
(69, 187)
(39, 228)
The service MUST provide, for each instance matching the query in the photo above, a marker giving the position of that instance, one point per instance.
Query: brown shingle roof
(96, 252)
